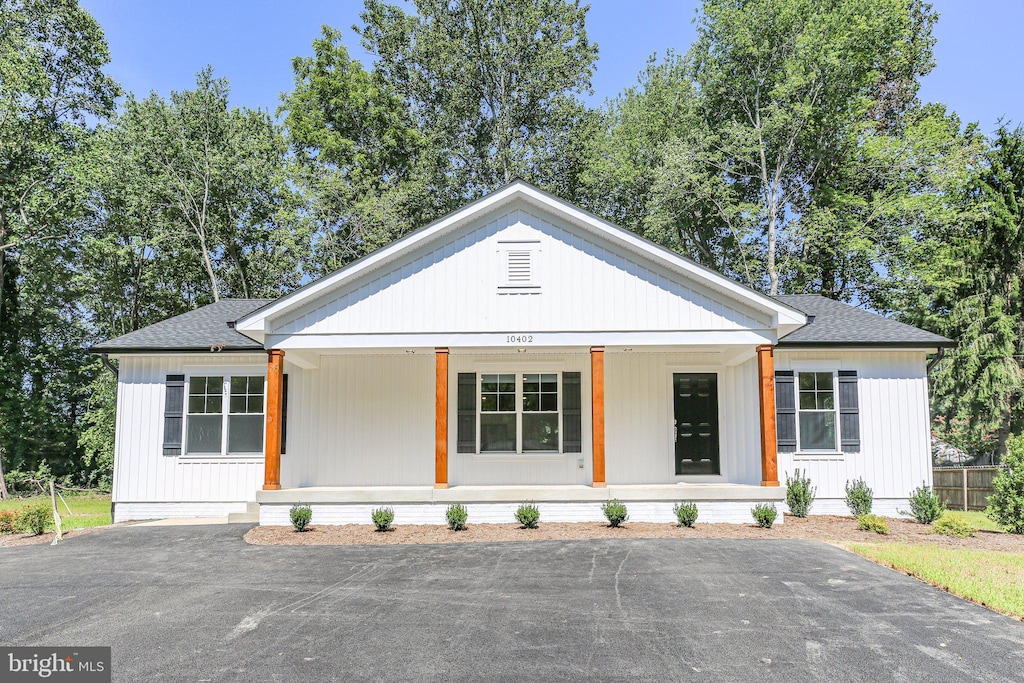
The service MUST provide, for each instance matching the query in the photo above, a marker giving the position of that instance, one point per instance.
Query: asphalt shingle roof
(835, 323)
(197, 330)
(832, 323)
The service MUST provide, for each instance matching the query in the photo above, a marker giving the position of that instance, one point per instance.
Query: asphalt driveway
(197, 603)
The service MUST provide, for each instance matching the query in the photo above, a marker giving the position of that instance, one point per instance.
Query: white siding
(141, 472)
(639, 446)
(361, 421)
(584, 285)
(895, 453)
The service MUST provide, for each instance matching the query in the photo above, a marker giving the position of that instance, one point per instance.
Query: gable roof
(257, 322)
(833, 323)
(197, 330)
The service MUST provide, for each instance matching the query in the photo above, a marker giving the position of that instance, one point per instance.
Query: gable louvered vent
(519, 268)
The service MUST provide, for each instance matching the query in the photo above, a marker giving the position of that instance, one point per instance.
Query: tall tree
(488, 81)
(52, 84)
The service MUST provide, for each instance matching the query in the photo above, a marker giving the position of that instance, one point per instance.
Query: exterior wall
(142, 474)
(584, 283)
(710, 512)
(639, 445)
(895, 452)
(496, 469)
(361, 420)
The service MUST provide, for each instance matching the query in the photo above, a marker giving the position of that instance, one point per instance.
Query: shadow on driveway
(198, 603)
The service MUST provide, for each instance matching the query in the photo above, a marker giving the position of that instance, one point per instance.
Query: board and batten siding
(361, 420)
(143, 474)
(639, 414)
(583, 284)
(895, 450)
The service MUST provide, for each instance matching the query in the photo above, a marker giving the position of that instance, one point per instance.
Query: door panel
(695, 400)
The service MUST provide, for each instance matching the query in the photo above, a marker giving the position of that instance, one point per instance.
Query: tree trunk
(3, 481)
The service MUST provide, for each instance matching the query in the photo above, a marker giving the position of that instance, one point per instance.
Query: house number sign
(519, 339)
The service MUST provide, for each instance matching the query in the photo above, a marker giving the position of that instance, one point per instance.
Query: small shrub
(1006, 503)
(765, 514)
(925, 506)
(859, 497)
(383, 518)
(8, 522)
(686, 513)
(869, 522)
(528, 515)
(300, 516)
(34, 520)
(457, 516)
(951, 525)
(615, 512)
(799, 494)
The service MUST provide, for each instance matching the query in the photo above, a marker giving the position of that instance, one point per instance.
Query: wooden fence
(964, 488)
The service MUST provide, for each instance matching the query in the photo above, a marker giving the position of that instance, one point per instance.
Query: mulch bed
(29, 539)
(827, 528)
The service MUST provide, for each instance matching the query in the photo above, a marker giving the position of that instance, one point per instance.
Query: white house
(518, 349)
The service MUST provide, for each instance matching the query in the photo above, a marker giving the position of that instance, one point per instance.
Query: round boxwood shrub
(686, 513)
(859, 497)
(869, 522)
(528, 515)
(799, 494)
(764, 514)
(383, 518)
(456, 516)
(925, 505)
(615, 512)
(35, 519)
(954, 525)
(300, 516)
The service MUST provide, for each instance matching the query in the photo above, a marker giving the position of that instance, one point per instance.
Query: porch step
(251, 514)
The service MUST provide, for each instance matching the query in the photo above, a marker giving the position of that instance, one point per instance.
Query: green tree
(488, 81)
(52, 56)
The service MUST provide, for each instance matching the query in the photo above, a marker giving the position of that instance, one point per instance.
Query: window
(817, 411)
(205, 409)
(519, 413)
(245, 422)
(208, 422)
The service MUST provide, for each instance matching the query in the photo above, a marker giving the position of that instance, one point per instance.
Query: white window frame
(225, 413)
(518, 374)
(834, 371)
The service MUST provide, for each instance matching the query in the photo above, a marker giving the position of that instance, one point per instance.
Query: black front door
(695, 396)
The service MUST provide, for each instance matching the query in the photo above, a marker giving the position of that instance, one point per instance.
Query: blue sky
(161, 45)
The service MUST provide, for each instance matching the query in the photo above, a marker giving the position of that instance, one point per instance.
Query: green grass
(989, 578)
(976, 518)
(86, 511)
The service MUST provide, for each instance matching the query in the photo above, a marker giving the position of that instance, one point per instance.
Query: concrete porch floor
(515, 494)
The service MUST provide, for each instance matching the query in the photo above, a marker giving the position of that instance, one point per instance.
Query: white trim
(289, 342)
(224, 456)
(258, 322)
(494, 368)
(818, 367)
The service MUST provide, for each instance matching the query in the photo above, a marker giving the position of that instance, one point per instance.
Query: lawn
(989, 578)
(975, 517)
(86, 511)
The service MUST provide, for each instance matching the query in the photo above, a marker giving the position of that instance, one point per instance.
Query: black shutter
(785, 411)
(284, 414)
(467, 413)
(174, 407)
(849, 412)
(572, 422)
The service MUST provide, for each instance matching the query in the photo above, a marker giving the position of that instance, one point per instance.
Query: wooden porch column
(275, 396)
(597, 412)
(766, 391)
(441, 419)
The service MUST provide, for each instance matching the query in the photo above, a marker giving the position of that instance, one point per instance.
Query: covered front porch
(359, 425)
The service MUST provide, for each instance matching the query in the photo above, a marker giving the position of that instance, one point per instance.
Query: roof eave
(924, 345)
(133, 350)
